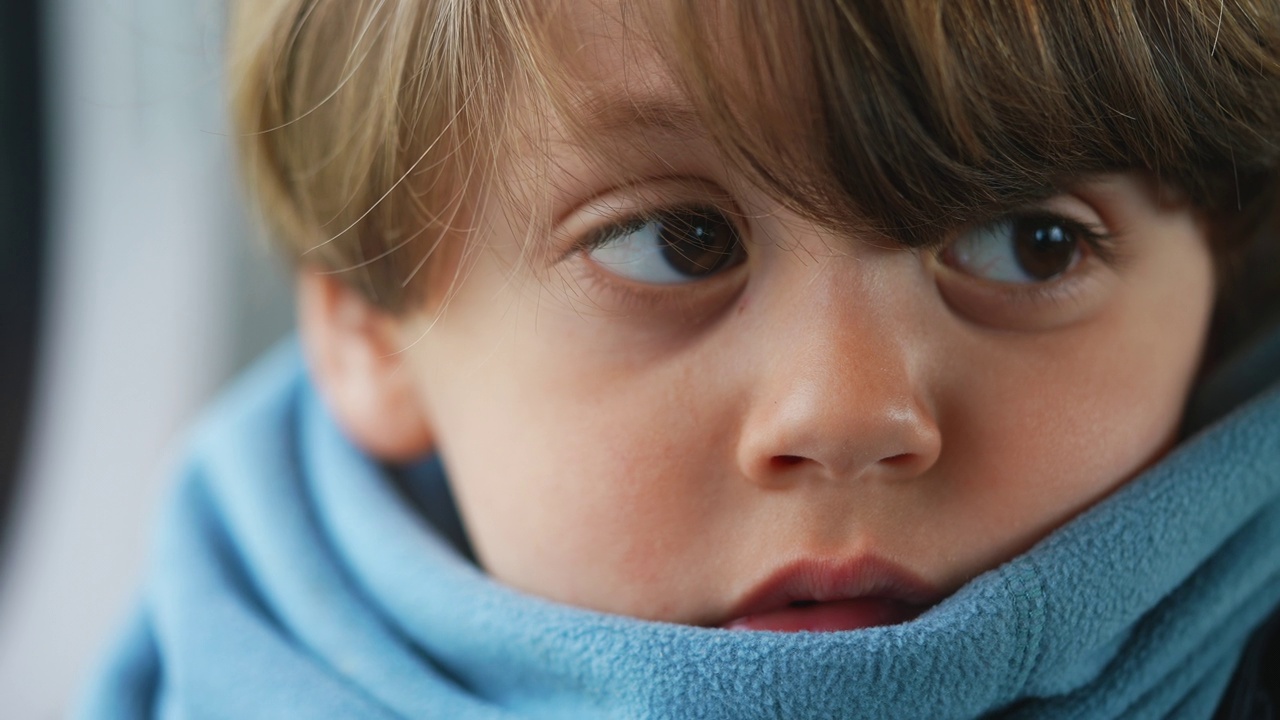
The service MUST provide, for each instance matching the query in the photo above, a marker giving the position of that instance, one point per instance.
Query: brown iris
(1045, 247)
(698, 242)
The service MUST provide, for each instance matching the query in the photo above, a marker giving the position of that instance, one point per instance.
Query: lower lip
(833, 616)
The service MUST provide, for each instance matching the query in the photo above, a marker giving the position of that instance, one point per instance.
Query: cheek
(1056, 422)
(572, 471)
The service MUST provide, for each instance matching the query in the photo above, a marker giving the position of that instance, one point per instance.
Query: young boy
(792, 320)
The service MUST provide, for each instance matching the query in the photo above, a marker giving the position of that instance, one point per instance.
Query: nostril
(782, 462)
(899, 460)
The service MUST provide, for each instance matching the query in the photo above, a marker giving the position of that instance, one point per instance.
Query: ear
(352, 349)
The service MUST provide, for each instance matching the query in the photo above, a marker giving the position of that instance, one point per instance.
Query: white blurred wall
(157, 295)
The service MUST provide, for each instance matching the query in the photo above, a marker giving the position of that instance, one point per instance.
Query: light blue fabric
(294, 580)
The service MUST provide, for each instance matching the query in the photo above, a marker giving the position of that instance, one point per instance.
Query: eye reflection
(675, 246)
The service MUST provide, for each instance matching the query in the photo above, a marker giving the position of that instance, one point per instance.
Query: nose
(846, 399)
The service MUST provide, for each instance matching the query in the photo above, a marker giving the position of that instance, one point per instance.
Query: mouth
(825, 596)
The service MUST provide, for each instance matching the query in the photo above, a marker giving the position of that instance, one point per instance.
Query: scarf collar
(296, 578)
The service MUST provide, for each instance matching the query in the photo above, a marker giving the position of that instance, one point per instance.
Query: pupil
(1044, 248)
(698, 242)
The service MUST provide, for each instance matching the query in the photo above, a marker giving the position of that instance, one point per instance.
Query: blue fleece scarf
(296, 579)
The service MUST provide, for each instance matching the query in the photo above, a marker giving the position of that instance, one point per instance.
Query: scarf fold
(296, 578)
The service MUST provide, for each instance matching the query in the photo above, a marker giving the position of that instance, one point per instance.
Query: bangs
(371, 130)
(365, 126)
(912, 118)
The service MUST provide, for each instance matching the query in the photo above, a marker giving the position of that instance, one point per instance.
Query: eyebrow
(623, 113)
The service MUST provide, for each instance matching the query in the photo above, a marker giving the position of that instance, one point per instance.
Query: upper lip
(823, 580)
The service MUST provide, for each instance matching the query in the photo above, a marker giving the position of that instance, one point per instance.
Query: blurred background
(132, 285)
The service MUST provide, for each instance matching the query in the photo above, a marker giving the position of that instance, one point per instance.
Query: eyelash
(633, 223)
(1035, 305)
(1098, 242)
(613, 231)
(631, 296)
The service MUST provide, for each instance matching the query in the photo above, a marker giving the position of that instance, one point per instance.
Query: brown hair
(368, 125)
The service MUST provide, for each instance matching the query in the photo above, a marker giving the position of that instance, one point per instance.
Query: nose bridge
(844, 394)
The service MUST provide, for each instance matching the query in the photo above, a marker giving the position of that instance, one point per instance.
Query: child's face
(662, 430)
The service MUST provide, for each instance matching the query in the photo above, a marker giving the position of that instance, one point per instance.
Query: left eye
(671, 247)
(1019, 249)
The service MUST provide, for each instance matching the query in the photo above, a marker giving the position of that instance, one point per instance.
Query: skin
(658, 451)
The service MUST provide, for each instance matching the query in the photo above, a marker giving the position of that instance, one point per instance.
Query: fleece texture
(295, 578)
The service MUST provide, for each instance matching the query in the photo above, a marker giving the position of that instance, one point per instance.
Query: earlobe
(351, 349)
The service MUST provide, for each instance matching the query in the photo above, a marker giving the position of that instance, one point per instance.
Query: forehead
(608, 109)
(620, 77)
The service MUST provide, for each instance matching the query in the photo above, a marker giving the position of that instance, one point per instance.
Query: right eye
(671, 247)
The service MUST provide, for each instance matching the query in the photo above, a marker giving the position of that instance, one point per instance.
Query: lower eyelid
(615, 293)
(1028, 307)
